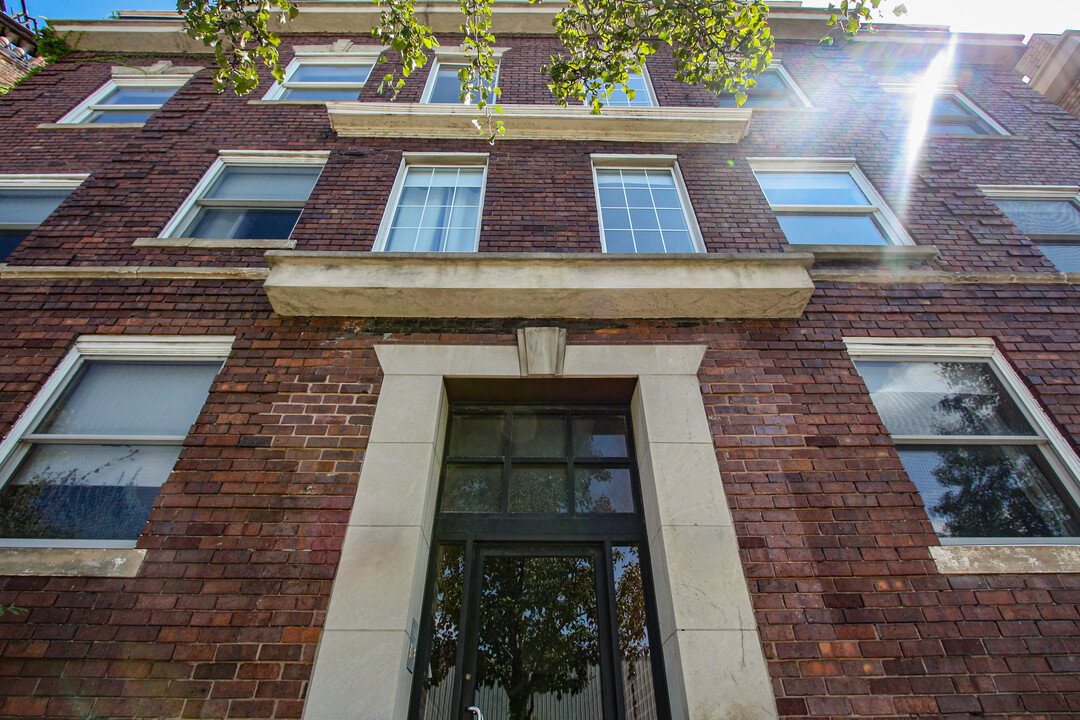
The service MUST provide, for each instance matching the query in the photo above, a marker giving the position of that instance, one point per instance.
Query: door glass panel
(539, 436)
(437, 687)
(600, 436)
(477, 436)
(538, 489)
(603, 490)
(639, 692)
(538, 649)
(472, 488)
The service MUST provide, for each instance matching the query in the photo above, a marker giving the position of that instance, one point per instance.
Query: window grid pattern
(641, 211)
(438, 210)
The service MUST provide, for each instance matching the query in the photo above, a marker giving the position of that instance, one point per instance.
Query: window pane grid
(438, 210)
(641, 211)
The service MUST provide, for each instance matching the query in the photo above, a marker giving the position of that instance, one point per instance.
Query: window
(954, 114)
(125, 99)
(249, 195)
(641, 88)
(539, 549)
(435, 205)
(25, 202)
(323, 76)
(643, 206)
(84, 464)
(775, 88)
(826, 201)
(1049, 216)
(988, 463)
(444, 83)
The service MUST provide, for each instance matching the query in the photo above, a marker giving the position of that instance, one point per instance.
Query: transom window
(644, 210)
(324, 77)
(828, 202)
(434, 208)
(774, 88)
(984, 466)
(1052, 221)
(86, 464)
(540, 601)
(125, 100)
(25, 202)
(248, 196)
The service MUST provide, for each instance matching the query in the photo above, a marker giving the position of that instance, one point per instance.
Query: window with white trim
(84, 464)
(125, 99)
(988, 463)
(640, 93)
(953, 114)
(435, 205)
(324, 76)
(249, 195)
(444, 83)
(25, 202)
(643, 206)
(774, 88)
(827, 201)
(1049, 216)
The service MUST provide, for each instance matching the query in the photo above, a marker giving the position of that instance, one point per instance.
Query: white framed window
(325, 74)
(643, 205)
(125, 99)
(827, 201)
(84, 463)
(249, 194)
(640, 86)
(1048, 215)
(444, 82)
(950, 112)
(775, 88)
(989, 464)
(25, 202)
(435, 204)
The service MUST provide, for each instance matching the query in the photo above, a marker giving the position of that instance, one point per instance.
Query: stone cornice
(128, 272)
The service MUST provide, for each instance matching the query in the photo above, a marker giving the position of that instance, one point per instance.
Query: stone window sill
(871, 253)
(88, 126)
(1006, 559)
(216, 243)
(82, 562)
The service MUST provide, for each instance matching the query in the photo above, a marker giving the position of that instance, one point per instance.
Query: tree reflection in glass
(639, 693)
(438, 686)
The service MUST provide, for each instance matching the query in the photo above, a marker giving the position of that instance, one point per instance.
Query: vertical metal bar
(605, 607)
(508, 431)
(568, 425)
(465, 636)
(613, 627)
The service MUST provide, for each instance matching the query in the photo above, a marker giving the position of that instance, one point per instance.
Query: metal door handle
(475, 711)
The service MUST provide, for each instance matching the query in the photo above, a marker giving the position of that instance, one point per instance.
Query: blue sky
(1001, 16)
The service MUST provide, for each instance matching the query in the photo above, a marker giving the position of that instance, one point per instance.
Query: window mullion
(968, 440)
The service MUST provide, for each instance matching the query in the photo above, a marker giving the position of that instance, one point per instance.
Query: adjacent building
(319, 406)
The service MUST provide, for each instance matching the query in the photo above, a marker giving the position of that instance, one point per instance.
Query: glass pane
(619, 97)
(331, 74)
(472, 488)
(302, 93)
(770, 91)
(538, 489)
(831, 229)
(264, 183)
(629, 200)
(941, 398)
(600, 436)
(9, 240)
(1043, 217)
(446, 87)
(477, 436)
(949, 107)
(244, 224)
(603, 490)
(538, 436)
(810, 188)
(29, 206)
(967, 126)
(538, 650)
(138, 96)
(84, 491)
(441, 672)
(988, 492)
(119, 116)
(1066, 258)
(132, 398)
(639, 690)
(445, 202)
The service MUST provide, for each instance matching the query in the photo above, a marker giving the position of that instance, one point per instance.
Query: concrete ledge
(88, 126)
(1006, 559)
(128, 272)
(216, 243)
(538, 285)
(542, 122)
(83, 562)
(903, 276)
(884, 253)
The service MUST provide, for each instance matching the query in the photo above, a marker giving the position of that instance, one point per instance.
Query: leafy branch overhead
(721, 44)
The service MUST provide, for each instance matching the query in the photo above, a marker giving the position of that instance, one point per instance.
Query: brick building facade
(852, 276)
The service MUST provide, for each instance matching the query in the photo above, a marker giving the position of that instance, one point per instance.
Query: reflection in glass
(941, 398)
(472, 488)
(603, 490)
(538, 652)
(538, 489)
(811, 188)
(539, 435)
(602, 436)
(988, 491)
(831, 229)
(438, 685)
(1043, 217)
(477, 436)
(1066, 258)
(639, 692)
